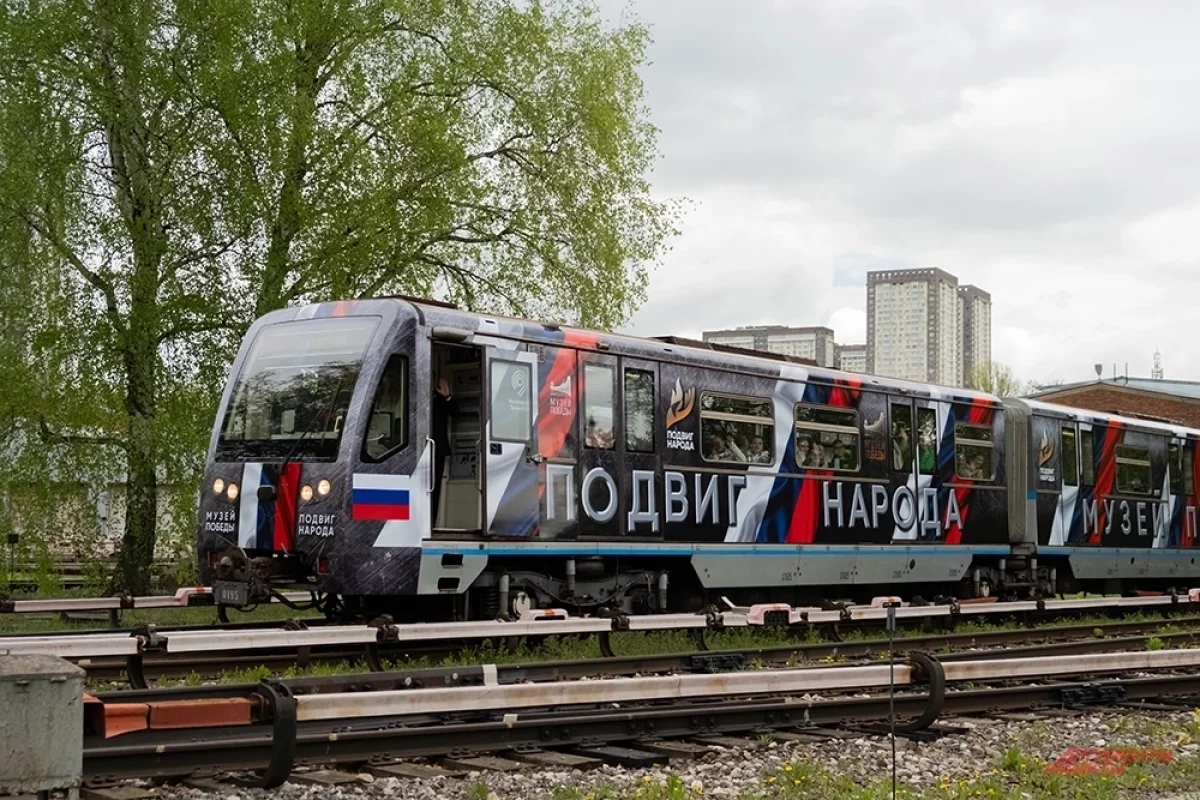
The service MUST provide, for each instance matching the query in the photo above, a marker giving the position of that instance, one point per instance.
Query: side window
(1133, 469)
(1189, 477)
(926, 440)
(1173, 472)
(1070, 460)
(902, 437)
(827, 438)
(737, 429)
(511, 400)
(639, 411)
(1087, 464)
(974, 452)
(387, 427)
(598, 406)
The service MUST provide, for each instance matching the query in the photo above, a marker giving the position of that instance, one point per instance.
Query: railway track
(270, 729)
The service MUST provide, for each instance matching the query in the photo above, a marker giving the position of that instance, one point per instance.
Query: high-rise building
(815, 343)
(915, 325)
(852, 358)
(976, 327)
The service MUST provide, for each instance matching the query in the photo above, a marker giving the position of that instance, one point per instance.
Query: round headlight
(323, 487)
(218, 486)
(306, 493)
(232, 491)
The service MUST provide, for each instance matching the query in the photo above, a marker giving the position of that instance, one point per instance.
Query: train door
(1188, 458)
(639, 384)
(455, 449)
(902, 459)
(1069, 467)
(510, 451)
(925, 436)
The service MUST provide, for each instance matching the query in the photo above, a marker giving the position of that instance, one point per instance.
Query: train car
(404, 456)
(1112, 499)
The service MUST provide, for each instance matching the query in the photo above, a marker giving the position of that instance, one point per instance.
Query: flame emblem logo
(1047, 450)
(682, 404)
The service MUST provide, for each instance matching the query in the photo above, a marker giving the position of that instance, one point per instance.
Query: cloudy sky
(1048, 152)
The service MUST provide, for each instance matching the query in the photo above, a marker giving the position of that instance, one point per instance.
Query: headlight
(232, 491)
(218, 486)
(323, 487)
(306, 493)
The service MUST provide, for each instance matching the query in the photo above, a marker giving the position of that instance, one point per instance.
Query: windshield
(294, 390)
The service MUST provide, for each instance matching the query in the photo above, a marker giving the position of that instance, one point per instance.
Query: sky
(1047, 152)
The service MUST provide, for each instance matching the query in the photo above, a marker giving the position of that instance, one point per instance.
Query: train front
(295, 425)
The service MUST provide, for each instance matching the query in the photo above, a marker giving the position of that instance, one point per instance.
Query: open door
(510, 451)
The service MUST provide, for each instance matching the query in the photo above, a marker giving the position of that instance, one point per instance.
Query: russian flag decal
(371, 500)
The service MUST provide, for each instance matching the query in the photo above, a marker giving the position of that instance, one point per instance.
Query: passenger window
(1070, 459)
(974, 452)
(739, 429)
(1087, 463)
(827, 438)
(1173, 472)
(901, 437)
(926, 440)
(387, 429)
(1133, 469)
(511, 400)
(639, 411)
(1189, 477)
(598, 406)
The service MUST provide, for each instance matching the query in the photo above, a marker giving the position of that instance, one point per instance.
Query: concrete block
(41, 727)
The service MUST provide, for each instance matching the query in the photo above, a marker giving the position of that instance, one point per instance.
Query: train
(404, 456)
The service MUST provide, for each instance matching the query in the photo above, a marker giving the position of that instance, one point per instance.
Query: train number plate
(229, 593)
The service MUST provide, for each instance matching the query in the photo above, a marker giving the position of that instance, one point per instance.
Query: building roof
(1188, 390)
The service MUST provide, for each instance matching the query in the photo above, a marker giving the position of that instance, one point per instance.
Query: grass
(1015, 776)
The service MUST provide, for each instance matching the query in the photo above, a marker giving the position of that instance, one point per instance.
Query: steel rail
(267, 747)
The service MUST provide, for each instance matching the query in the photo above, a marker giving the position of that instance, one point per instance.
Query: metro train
(403, 456)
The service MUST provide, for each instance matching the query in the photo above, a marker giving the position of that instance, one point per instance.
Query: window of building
(827, 438)
(598, 406)
(902, 450)
(1133, 469)
(1070, 459)
(1174, 474)
(511, 404)
(639, 411)
(387, 427)
(974, 452)
(926, 440)
(737, 429)
(1087, 463)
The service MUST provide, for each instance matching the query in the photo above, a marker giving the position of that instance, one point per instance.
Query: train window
(598, 406)
(1189, 476)
(827, 438)
(639, 411)
(901, 437)
(1133, 469)
(739, 429)
(1070, 459)
(1173, 471)
(926, 440)
(1087, 464)
(511, 400)
(974, 452)
(387, 428)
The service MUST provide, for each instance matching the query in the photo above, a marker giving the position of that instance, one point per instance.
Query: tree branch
(97, 281)
(50, 437)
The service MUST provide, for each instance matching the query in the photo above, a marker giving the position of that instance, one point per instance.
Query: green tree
(176, 169)
(998, 379)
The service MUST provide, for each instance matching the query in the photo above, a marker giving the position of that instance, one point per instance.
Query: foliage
(997, 379)
(170, 170)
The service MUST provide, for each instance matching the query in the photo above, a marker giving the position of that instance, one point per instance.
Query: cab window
(387, 429)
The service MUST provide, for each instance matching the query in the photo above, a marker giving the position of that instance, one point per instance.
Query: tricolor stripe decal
(380, 504)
